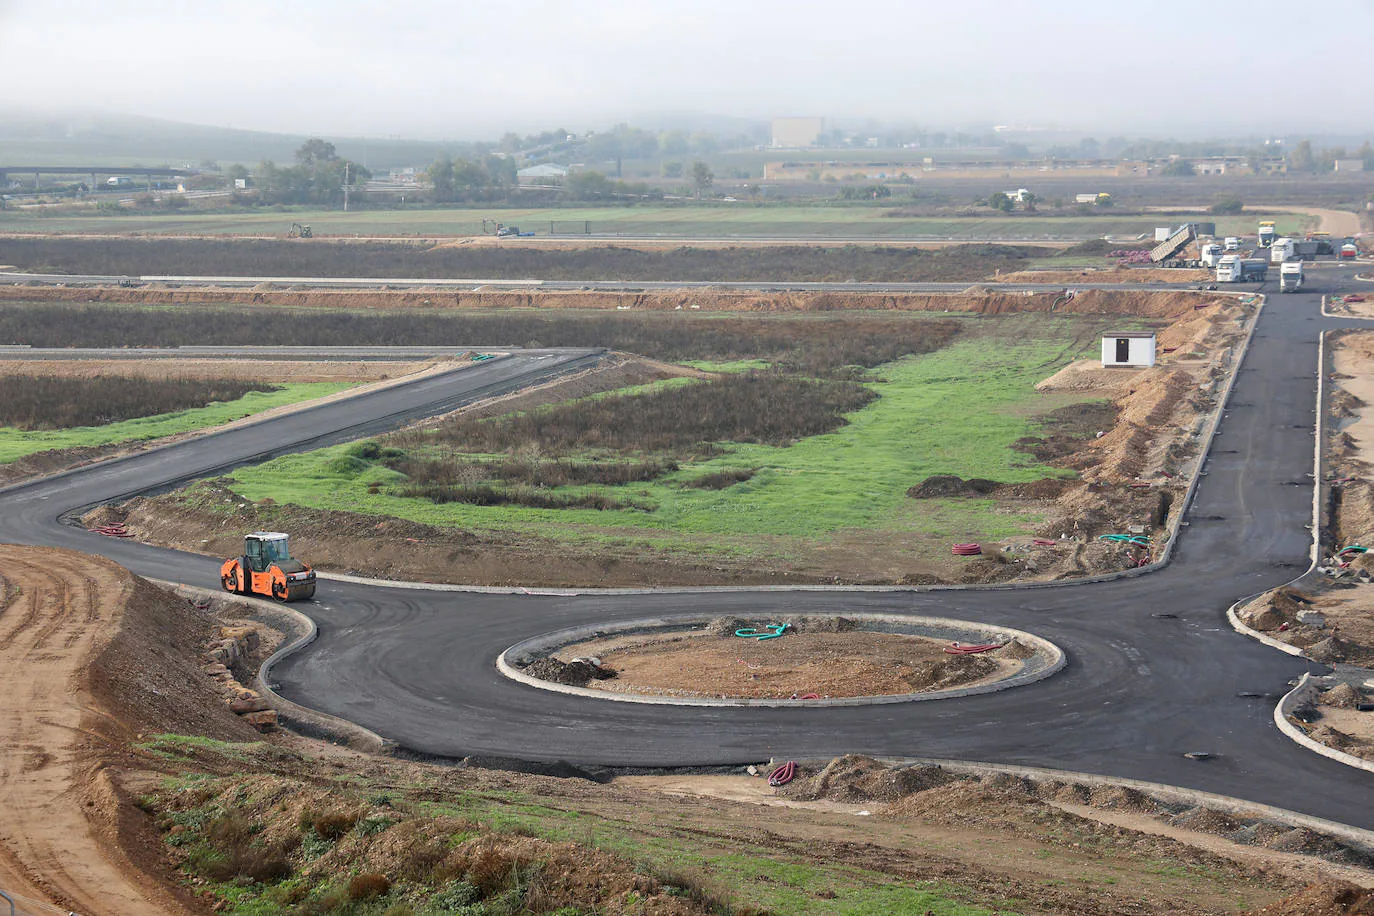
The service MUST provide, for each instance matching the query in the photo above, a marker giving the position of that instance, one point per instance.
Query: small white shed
(1128, 349)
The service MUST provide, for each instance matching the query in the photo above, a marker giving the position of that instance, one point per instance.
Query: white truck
(1210, 254)
(1266, 233)
(1282, 250)
(1290, 277)
(1233, 268)
(1232, 243)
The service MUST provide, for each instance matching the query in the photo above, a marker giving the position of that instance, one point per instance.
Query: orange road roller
(267, 568)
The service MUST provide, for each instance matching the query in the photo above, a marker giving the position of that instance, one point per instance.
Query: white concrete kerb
(1048, 659)
(1304, 693)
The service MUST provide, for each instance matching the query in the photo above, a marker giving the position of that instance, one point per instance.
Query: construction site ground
(807, 659)
(1129, 476)
(358, 374)
(125, 770)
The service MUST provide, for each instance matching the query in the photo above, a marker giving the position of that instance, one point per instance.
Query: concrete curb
(1165, 558)
(1161, 791)
(1307, 690)
(316, 724)
(1053, 656)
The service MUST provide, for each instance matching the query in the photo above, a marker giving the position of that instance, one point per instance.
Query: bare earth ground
(59, 611)
(978, 301)
(1334, 622)
(371, 376)
(717, 663)
(1133, 475)
(1108, 275)
(96, 660)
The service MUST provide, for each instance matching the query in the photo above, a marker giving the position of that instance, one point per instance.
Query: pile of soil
(1342, 696)
(855, 778)
(571, 674)
(1330, 649)
(1014, 648)
(946, 486)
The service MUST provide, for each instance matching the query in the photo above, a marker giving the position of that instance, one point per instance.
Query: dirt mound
(965, 800)
(1342, 696)
(944, 486)
(1014, 648)
(1355, 513)
(1206, 820)
(1323, 899)
(855, 778)
(726, 626)
(821, 624)
(1089, 375)
(148, 671)
(575, 673)
(1122, 798)
(1330, 649)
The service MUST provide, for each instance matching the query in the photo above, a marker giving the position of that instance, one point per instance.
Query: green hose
(774, 630)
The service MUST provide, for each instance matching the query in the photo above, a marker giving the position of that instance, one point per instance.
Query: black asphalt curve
(1139, 692)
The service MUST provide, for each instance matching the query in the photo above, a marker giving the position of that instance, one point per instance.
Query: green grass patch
(15, 443)
(955, 411)
(737, 365)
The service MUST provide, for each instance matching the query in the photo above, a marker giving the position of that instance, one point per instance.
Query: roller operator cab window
(262, 554)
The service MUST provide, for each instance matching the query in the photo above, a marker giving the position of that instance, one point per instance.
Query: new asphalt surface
(1140, 689)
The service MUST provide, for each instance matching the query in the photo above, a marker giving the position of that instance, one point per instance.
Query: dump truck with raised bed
(267, 568)
(1176, 242)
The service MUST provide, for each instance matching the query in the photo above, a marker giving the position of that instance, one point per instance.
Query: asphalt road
(1139, 691)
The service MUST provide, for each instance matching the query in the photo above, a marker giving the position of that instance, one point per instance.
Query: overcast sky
(469, 70)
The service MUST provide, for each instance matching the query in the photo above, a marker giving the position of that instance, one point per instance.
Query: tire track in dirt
(56, 612)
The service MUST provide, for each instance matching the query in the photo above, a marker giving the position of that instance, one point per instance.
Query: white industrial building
(1128, 349)
(535, 174)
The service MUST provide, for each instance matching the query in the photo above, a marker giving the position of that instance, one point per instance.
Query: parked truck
(1267, 232)
(1349, 252)
(1210, 254)
(1290, 277)
(1232, 243)
(1281, 250)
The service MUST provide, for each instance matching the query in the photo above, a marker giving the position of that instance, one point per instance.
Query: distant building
(797, 132)
(1128, 349)
(536, 174)
(1349, 165)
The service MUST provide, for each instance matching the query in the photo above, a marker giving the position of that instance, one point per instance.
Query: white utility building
(1128, 349)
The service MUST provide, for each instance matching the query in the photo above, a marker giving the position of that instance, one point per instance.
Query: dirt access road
(57, 810)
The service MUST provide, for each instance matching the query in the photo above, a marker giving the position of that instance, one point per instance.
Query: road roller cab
(267, 568)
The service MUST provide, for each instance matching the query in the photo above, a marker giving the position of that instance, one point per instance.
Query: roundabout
(855, 660)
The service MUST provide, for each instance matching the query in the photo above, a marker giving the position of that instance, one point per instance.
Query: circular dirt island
(849, 660)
